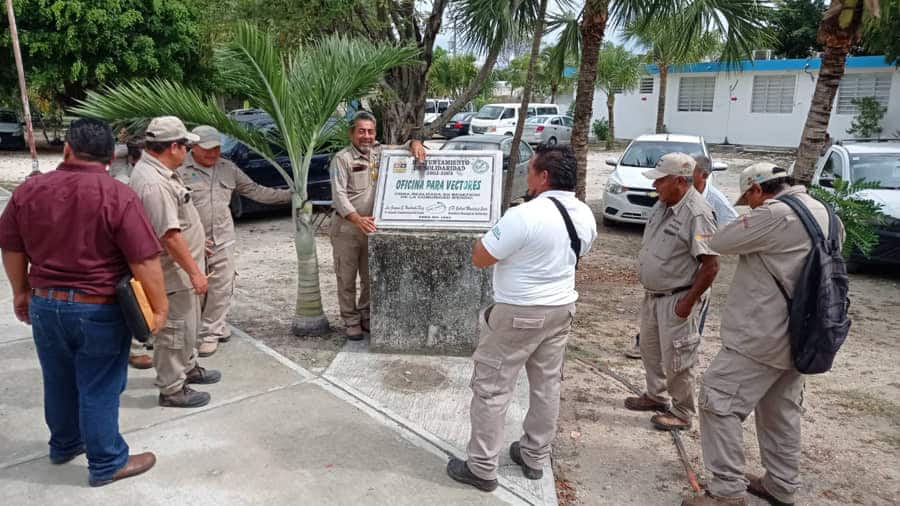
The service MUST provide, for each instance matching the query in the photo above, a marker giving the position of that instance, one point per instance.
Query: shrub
(860, 216)
(600, 128)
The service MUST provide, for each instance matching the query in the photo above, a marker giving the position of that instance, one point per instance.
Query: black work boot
(202, 376)
(515, 453)
(459, 471)
(184, 398)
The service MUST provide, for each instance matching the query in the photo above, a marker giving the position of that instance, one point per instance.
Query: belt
(670, 292)
(71, 295)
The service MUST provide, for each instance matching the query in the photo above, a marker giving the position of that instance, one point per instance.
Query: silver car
(548, 129)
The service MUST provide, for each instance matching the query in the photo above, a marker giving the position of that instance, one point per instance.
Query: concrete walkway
(373, 429)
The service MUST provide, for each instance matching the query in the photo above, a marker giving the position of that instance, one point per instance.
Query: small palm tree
(840, 28)
(740, 22)
(617, 71)
(300, 90)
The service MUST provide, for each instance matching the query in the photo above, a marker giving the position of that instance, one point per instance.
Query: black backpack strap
(806, 217)
(574, 241)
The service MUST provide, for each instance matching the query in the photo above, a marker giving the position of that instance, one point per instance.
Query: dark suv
(318, 183)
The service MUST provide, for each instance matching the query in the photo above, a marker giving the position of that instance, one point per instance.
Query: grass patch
(868, 403)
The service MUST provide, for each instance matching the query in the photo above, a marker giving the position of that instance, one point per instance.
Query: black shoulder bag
(574, 241)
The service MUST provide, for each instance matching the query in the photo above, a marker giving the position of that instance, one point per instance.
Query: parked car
(501, 118)
(12, 133)
(548, 129)
(318, 184)
(434, 107)
(872, 161)
(628, 195)
(501, 143)
(458, 125)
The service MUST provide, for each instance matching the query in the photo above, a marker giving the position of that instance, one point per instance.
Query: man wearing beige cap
(169, 207)
(676, 267)
(212, 181)
(754, 371)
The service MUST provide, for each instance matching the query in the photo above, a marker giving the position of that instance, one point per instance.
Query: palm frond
(300, 91)
(486, 23)
(568, 44)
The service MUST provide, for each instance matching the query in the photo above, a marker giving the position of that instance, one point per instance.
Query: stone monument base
(425, 293)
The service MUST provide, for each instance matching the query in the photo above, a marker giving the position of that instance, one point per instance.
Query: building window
(773, 94)
(646, 86)
(696, 94)
(862, 85)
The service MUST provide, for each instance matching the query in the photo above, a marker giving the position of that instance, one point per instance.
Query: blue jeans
(83, 351)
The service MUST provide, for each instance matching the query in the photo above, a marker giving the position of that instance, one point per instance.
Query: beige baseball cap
(168, 128)
(672, 164)
(758, 173)
(209, 137)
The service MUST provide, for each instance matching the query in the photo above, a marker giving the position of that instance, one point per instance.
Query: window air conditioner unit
(762, 54)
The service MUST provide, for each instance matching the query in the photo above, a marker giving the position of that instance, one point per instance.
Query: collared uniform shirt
(168, 205)
(723, 210)
(771, 241)
(674, 239)
(79, 227)
(353, 179)
(211, 191)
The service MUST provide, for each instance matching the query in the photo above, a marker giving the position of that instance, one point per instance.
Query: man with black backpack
(764, 342)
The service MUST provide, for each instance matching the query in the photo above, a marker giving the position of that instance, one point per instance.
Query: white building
(764, 103)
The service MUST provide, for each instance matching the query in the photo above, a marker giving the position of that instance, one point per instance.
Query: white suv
(874, 161)
(629, 196)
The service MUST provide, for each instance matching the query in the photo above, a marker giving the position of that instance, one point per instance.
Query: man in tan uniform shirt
(212, 181)
(753, 372)
(176, 222)
(354, 172)
(676, 267)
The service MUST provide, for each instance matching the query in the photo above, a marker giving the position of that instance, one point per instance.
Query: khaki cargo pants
(217, 301)
(669, 351)
(173, 346)
(350, 249)
(732, 387)
(512, 337)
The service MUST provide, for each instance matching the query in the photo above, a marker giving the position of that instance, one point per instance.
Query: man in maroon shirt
(67, 237)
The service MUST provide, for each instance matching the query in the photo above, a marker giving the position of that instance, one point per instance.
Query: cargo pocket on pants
(717, 395)
(486, 375)
(684, 353)
(172, 336)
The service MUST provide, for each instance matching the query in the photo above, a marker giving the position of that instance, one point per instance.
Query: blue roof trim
(797, 64)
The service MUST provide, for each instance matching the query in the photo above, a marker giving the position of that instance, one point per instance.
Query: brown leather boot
(756, 488)
(708, 499)
(644, 403)
(668, 421)
(135, 465)
(184, 398)
(140, 361)
(354, 332)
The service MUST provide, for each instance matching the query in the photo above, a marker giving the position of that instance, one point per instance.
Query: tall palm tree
(740, 22)
(618, 71)
(839, 30)
(660, 37)
(526, 97)
(300, 90)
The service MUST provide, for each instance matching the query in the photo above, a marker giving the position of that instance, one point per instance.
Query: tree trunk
(593, 24)
(838, 32)
(309, 318)
(610, 110)
(523, 109)
(661, 102)
(554, 88)
(405, 109)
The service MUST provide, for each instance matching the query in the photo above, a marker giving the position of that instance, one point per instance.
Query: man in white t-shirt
(534, 257)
